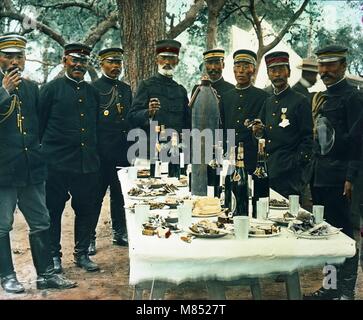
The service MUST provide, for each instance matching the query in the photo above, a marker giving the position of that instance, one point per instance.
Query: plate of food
(279, 204)
(284, 220)
(207, 207)
(144, 173)
(319, 231)
(207, 229)
(264, 231)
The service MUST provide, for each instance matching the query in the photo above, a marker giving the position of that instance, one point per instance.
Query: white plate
(142, 198)
(264, 235)
(332, 232)
(279, 208)
(207, 215)
(208, 236)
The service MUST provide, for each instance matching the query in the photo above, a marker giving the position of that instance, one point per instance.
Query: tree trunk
(142, 24)
(214, 9)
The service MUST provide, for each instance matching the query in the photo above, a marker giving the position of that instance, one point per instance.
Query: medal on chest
(284, 120)
(119, 108)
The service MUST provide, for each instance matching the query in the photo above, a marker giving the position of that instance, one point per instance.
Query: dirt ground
(111, 283)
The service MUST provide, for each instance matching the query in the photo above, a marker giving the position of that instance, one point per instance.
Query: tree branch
(256, 23)
(96, 34)
(232, 11)
(38, 25)
(287, 27)
(189, 19)
(64, 5)
(43, 62)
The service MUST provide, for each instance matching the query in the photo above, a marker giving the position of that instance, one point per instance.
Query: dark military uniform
(174, 111)
(299, 87)
(221, 86)
(116, 100)
(288, 148)
(342, 107)
(237, 105)
(69, 112)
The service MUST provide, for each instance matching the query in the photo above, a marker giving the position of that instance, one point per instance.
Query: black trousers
(108, 178)
(336, 207)
(82, 187)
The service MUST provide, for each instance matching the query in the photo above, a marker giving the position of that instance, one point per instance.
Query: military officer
(112, 141)
(160, 98)
(214, 64)
(309, 67)
(243, 102)
(22, 169)
(69, 109)
(335, 147)
(287, 126)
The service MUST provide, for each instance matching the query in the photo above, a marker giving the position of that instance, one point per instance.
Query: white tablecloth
(174, 260)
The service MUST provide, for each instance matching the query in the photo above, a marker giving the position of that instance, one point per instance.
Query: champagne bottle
(239, 183)
(260, 178)
(154, 158)
(174, 162)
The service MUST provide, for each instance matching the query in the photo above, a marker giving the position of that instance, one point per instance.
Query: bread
(207, 206)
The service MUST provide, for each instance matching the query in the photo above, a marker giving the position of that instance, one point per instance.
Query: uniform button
(17, 88)
(24, 133)
(82, 129)
(116, 85)
(274, 114)
(270, 127)
(82, 144)
(22, 118)
(241, 95)
(119, 96)
(82, 114)
(122, 119)
(268, 141)
(236, 133)
(26, 149)
(78, 88)
(239, 108)
(80, 100)
(237, 121)
(20, 102)
(276, 101)
(124, 131)
(267, 154)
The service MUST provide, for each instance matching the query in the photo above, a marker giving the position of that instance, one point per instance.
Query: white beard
(166, 72)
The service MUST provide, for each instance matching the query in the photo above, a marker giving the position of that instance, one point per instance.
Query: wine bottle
(154, 158)
(174, 162)
(260, 178)
(227, 181)
(239, 183)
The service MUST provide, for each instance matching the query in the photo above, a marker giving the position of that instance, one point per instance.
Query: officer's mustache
(277, 80)
(81, 69)
(168, 67)
(214, 72)
(116, 70)
(326, 76)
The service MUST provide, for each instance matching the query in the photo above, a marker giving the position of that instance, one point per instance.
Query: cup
(241, 227)
(132, 173)
(318, 213)
(141, 214)
(262, 208)
(294, 205)
(188, 203)
(184, 216)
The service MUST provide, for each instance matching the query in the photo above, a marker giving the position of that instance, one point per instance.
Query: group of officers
(67, 138)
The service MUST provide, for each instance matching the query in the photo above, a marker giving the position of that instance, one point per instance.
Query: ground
(111, 283)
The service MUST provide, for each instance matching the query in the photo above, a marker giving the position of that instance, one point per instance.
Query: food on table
(224, 219)
(144, 173)
(263, 230)
(205, 227)
(207, 206)
(279, 203)
(163, 232)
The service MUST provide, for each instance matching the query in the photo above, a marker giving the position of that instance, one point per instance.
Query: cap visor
(168, 54)
(12, 50)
